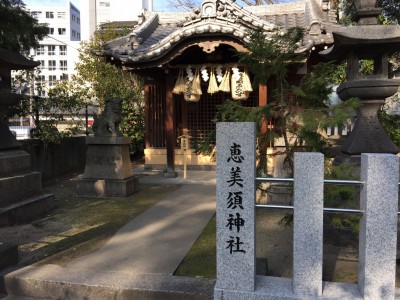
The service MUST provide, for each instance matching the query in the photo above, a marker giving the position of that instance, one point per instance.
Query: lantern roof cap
(15, 61)
(376, 39)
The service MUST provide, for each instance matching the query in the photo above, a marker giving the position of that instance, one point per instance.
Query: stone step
(55, 282)
(19, 187)
(26, 210)
(14, 162)
(11, 297)
(8, 255)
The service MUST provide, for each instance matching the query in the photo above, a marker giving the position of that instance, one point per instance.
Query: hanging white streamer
(189, 73)
(219, 76)
(204, 73)
(236, 73)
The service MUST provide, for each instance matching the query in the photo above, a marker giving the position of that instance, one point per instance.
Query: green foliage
(390, 11)
(270, 57)
(65, 99)
(107, 81)
(19, 31)
(391, 124)
(300, 112)
(47, 133)
(341, 196)
(104, 79)
(133, 126)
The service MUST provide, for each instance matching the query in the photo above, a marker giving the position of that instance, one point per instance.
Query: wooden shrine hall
(189, 65)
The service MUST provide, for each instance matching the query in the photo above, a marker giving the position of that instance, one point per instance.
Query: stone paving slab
(157, 240)
(55, 282)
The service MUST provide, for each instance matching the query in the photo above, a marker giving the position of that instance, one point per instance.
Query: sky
(158, 5)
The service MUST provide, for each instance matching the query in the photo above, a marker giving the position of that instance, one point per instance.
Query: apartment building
(97, 12)
(58, 52)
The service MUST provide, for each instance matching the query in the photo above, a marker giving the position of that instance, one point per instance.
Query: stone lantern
(10, 61)
(21, 196)
(366, 41)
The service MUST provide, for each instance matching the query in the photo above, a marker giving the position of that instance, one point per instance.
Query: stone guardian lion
(107, 123)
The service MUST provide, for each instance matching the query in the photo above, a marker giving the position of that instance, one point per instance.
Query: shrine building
(197, 49)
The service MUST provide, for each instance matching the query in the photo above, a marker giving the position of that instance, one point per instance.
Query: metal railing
(326, 181)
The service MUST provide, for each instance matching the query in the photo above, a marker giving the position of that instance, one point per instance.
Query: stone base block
(108, 161)
(19, 187)
(8, 255)
(107, 187)
(170, 174)
(27, 210)
(14, 162)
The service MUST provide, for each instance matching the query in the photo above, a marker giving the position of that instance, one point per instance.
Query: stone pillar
(235, 209)
(108, 169)
(308, 224)
(378, 227)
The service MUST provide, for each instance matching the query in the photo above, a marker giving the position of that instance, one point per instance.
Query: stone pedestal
(21, 198)
(108, 170)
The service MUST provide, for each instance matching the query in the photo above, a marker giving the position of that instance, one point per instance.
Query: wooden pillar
(146, 114)
(170, 127)
(262, 101)
(184, 117)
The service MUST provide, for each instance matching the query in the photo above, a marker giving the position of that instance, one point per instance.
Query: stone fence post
(308, 224)
(235, 208)
(378, 226)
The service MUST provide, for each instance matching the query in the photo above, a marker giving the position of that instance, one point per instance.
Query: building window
(51, 50)
(52, 65)
(63, 50)
(61, 15)
(52, 80)
(40, 50)
(64, 77)
(49, 15)
(40, 81)
(41, 78)
(62, 31)
(36, 14)
(41, 93)
(50, 31)
(79, 36)
(104, 4)
(73, 33)
(78, 20)
(73, 18)
(63, 65)
(42, 64)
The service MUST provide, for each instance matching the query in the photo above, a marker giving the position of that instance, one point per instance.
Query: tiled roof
(161, 32)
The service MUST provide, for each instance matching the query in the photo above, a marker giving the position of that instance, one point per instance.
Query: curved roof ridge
(142, 32)
(162, 32)
(314, 12)
(228, 11)
(279, 8)
(214, 26)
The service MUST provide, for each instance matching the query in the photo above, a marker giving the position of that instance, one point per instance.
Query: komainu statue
(107, 123)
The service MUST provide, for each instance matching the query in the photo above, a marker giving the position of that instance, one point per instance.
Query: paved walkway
(138, 261)
(157, 240)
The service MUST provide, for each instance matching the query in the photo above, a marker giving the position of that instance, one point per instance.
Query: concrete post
(308, 224)
(378, 227)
